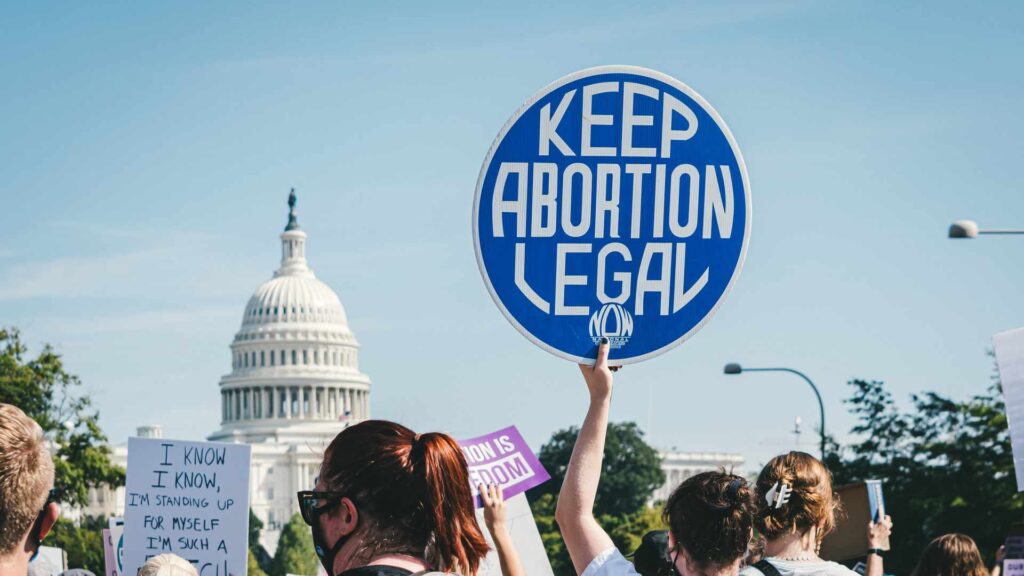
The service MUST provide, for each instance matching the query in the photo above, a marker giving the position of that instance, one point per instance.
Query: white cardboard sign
(1010, 359)
(50, 561)
(1013, 567)
(189, 499)
(523, 530)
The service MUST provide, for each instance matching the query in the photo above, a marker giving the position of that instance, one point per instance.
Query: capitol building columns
(330, 403)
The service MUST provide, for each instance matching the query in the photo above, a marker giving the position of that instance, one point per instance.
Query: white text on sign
(677, 202)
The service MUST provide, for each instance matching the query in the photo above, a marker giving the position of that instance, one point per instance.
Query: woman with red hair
(390, 502)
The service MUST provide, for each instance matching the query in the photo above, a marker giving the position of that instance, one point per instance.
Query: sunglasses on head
(313, 503)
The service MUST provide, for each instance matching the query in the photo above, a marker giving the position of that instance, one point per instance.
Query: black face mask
(675, 570)
(325, 554)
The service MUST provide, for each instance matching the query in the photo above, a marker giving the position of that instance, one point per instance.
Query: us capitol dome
(294, 362)
(294, 384)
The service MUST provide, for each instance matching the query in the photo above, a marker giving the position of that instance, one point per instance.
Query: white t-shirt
(611, 562)
(786, 568)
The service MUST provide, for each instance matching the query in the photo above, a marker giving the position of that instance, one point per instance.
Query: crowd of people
(391, 502)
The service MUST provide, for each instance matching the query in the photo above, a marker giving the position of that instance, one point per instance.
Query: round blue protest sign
(614, 204)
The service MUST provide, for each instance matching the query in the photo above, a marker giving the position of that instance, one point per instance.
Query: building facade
(679, 466)
(294, 384)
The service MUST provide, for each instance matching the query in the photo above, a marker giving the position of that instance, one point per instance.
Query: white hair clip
(778, 495)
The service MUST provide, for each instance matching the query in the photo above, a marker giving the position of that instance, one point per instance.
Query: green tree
(52, 397)
(627, 531)
(630, 473)
(254, 566)
(295, 554)
(256, 550)
(83, 543)
(255, 527)
(946, 466)
(543, 509)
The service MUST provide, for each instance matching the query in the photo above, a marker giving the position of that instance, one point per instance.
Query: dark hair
(412, 492)
(710, 516)
(811, 502)
(951, 555)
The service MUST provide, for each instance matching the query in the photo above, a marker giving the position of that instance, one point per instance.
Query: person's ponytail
(411, 491)
(457, 540)
(808, 501)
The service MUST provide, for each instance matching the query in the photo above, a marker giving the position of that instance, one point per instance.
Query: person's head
(709, 517)
(167, 565)
(392, 491)
(26, 478)
(652, 557)
(951, 555)
(802, 499)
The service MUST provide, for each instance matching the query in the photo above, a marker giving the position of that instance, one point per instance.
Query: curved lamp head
(733, 368)
(963, 229)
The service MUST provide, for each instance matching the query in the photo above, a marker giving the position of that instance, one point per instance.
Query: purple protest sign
(502, 458)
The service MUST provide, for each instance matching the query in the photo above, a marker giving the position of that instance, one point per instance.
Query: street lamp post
(969, 229)
(734, 368)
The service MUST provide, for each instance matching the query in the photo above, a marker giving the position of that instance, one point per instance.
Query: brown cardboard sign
(862, 503)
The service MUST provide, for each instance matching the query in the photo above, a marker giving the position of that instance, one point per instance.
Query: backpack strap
(766, 568)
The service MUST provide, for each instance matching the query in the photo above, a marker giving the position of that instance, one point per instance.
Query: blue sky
(147, 152)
